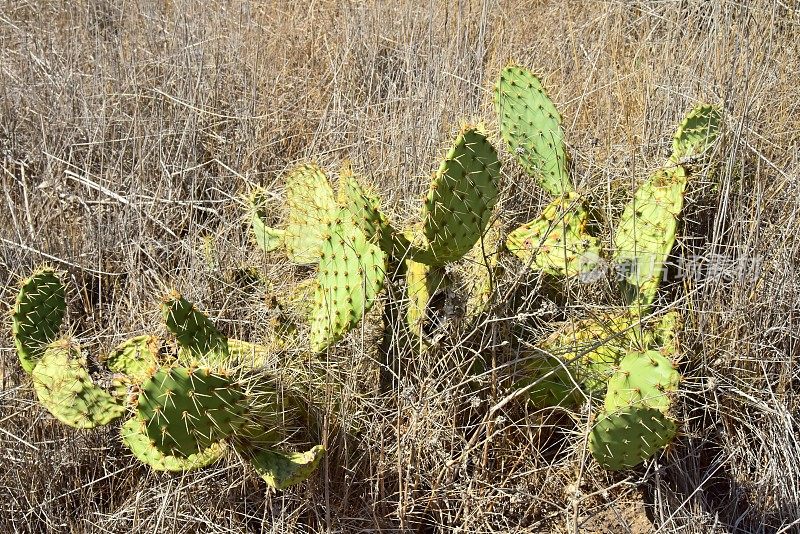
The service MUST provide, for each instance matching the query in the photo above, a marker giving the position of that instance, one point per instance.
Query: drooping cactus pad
(281, 470)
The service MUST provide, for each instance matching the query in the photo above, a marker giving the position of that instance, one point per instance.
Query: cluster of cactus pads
(186, 410)
(622, 354)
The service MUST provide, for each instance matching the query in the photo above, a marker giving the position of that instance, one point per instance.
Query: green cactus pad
(186, 410)
(280, 470)
(551, 382)
(643, 378)
(267, 238)
(422, 281)
(37, 316)
(136, 439)
(646, 233)
(696, 133)
(196, 334)
(557, 242)
(459, 204)
(531, 127)
(64, 387)
(626, 438)
(350, 276)
(136, 358)
(364, 208)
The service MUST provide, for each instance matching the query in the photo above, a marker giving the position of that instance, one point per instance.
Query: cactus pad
(267, 238)
(531, 127)
(551, 382)
(351, 274)
(311, 202)
(646, 233)
(136, 358)
(459, 204)
(281, 470)
(186, 410)
(696, 133)
(195, 332)
(364, 208)
(135, 438)
(422, 282)
(557, 242)
(626, 438)
(64, 387)
(37, 316)
(643, 378)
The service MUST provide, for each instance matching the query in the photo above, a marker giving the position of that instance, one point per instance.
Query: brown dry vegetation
(128, 131)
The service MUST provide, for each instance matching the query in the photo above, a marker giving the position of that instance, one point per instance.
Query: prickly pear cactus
(350, 276)
(629, 436)
(135, 358)
(311, 202)
(134, 436)
(185, 410)
(422, 282)
(645, 379)
(531, 127)
(550, 382)
(37, 315)
(197, 336)
(557, 242)
(364, 208)
(281, 470)
(266, 238)
(696, 133)
(483, 270)
(646, 233)
(458, 206)
(64, 387)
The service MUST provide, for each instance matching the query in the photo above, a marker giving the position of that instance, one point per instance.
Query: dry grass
(128, 131)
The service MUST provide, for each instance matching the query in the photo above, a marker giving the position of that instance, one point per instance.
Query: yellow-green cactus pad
(350, 276)
(625, 438)
(64, 387)
(281, 470)
(136, 358)
(557, 242)
(37, 316)
(422, 282)
(267, 238)
(531, 127)
(646, 233)
(136, 439)
(197, 336)
(697, 133)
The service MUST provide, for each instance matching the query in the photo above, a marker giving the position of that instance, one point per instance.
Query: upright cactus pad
(135, 437)
(646, 233)
(459, 204)
(195, 332)
(187, 409)
(136, 358)
(696, 133)
(557, 242)
(364, 208)
(64, 387)
(351, 274)
(643, 378)
(531, 127)
(37, 316)
(625, 438)
(281, 470)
